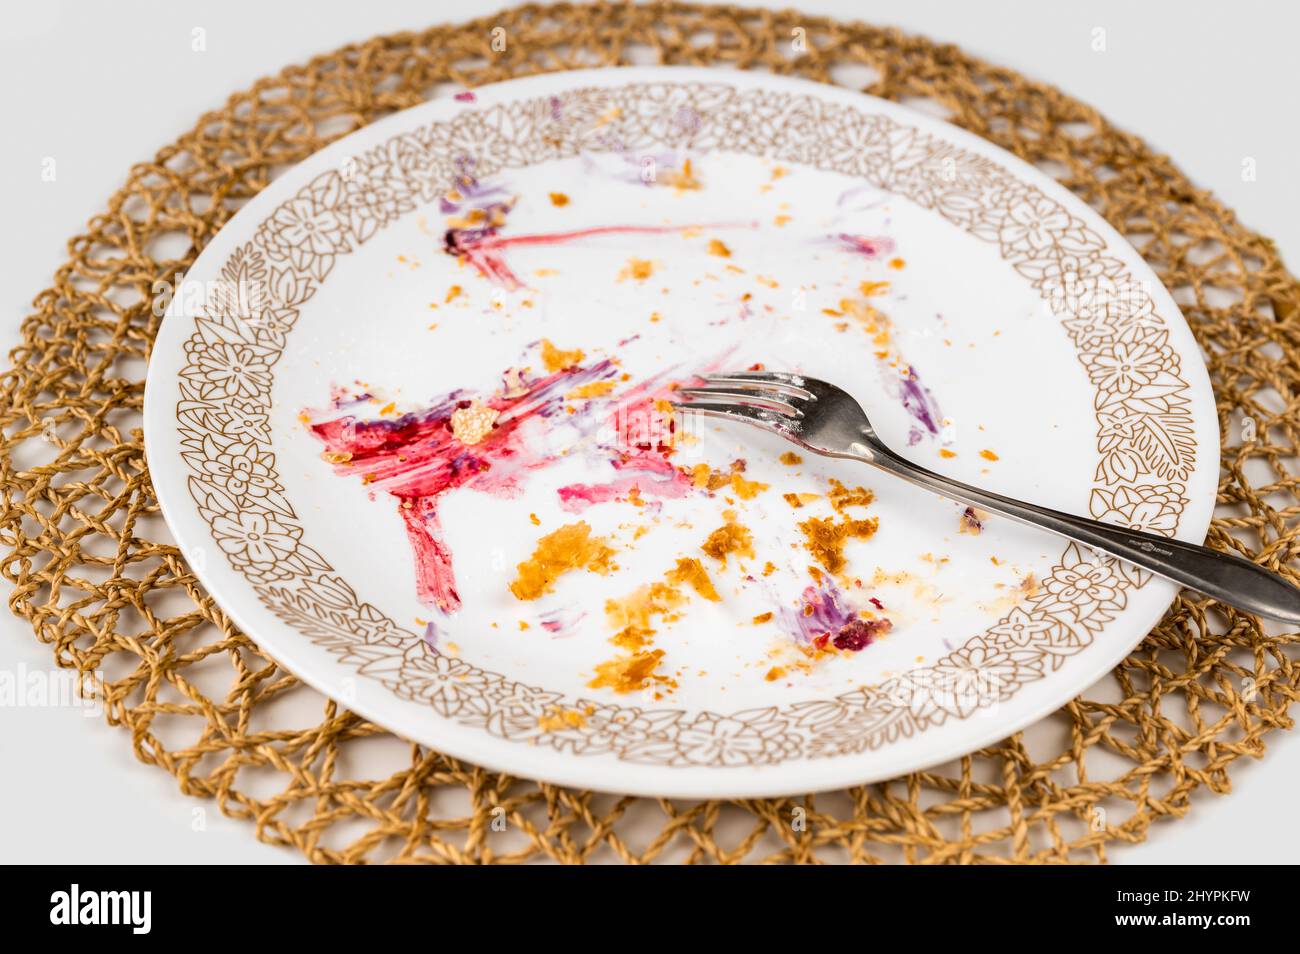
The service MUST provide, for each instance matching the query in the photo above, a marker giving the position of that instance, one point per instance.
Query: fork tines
(771, 398)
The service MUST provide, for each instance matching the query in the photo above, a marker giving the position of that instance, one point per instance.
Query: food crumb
(858, 634)
(825, 538)
(473, 423)
(570, 547)
(592, 389)
(554, 719)
(798, 500)
(637, 268)
(557, 360)
(690, 570)
(685, 178)
(972, 521)
(731, 537)
(629, 673)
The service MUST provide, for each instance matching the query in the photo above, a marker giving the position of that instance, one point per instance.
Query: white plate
(298, 430)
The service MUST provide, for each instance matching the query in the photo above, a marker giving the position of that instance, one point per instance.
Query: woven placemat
(80, 519)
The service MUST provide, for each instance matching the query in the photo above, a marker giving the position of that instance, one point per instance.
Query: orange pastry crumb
(841, 496)
(825, 538)
(798, 500)
(632, 615)
(746, 489)
(988, 454)
(638, 268)
(731, 537)
(629, 673)
(685, 178)
(591, 390)
(571, 547)
(718, 247)
(559, 199)
(556, 360)
(690, 570)
(790, 459)
(555, 719)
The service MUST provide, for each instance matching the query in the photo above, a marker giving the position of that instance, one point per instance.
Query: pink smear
(644, 441)
(866, 246)
(417, 459)
(483, 247)
(576, 498)
(562, 621)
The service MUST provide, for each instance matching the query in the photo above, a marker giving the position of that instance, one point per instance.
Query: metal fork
(825, 420)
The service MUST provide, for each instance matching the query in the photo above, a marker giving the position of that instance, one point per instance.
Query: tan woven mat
(200, 702)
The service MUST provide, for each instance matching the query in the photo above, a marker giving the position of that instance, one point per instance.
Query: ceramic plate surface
(407, 418)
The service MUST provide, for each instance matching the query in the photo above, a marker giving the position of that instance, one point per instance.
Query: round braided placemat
(80, 520)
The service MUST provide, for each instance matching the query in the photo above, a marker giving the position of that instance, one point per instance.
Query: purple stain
(917, 400)
(820, 613)
(848, 195)
(431, 636)
(465, 96)
(824, 618)
(686, 122)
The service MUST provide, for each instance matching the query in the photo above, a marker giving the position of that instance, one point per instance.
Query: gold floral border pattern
(1144, 437)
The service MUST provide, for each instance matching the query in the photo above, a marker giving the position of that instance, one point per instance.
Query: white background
(1211, 84)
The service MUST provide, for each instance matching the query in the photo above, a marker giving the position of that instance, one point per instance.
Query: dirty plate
(407, 418)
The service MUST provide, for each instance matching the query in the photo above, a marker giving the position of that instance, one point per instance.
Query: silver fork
(825, 420)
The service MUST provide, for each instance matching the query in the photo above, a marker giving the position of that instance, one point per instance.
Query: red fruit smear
(857, 635)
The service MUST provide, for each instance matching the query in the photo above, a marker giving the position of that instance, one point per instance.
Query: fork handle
(1224, 576)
